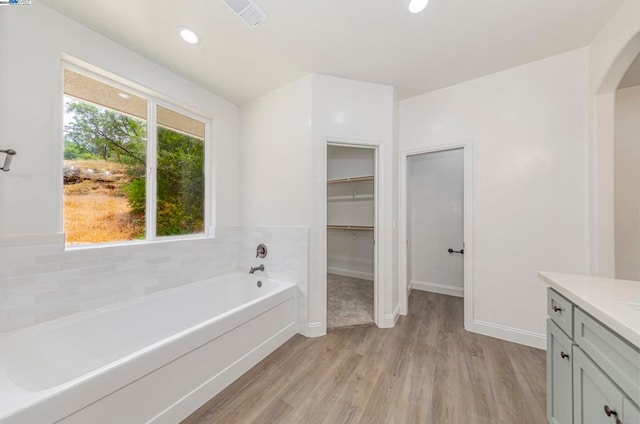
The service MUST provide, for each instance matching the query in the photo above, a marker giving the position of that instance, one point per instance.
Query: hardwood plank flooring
(426, 369)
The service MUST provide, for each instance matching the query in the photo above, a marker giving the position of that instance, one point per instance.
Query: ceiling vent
(248, 11)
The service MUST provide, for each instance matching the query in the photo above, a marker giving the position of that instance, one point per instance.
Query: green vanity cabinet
(593, 375)
(598, 399)
(559, 372)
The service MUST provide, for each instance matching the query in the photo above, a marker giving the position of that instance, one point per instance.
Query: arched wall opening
(607, 69)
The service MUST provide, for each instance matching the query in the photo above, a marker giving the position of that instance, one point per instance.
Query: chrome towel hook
(10, 153)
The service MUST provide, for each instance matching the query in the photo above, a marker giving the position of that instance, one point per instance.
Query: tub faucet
(257, 268)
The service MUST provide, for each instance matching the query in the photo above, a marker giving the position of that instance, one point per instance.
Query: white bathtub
(152, 360)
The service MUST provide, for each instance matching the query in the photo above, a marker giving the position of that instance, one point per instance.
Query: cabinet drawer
(617, 358)
(560, 310)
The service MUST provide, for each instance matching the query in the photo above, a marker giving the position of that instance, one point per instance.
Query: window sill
(163, 240)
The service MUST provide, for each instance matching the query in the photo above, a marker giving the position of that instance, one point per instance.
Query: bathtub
(155, 359)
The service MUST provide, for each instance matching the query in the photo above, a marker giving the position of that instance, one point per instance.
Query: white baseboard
(350, 273)
(389, 320)
(510, 334)
(313, 329)
(198, 397)
(436, 288)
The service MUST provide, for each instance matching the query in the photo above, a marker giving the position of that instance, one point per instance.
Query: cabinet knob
(564, 355)
(610, 412)
(557, 309)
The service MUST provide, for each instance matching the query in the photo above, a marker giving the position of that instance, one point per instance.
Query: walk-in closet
(350, 236)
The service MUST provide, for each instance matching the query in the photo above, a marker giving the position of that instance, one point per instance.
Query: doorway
(626, 175)
(435, 222)
(351, 253)
(436, 192)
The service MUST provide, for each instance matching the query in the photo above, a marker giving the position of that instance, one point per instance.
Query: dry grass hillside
(95, 208)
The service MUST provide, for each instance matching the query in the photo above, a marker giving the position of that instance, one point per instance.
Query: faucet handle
(261, 251)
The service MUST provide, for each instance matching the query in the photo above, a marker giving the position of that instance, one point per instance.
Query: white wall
(435, 183)
(350, 253)
(529, 131)
(627, 183)
(32, 41)
(346, 162)
(275, 171)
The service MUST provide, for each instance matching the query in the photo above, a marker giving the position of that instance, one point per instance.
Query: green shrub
(136, 192)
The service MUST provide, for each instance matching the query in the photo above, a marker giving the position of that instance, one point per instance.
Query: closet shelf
(352, 182)
(351, 179)
(350, 227)
(350, 198)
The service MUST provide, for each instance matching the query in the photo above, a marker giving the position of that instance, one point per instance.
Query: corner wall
(529, 131)
(283, 150)
(356, 112)
(275, 174)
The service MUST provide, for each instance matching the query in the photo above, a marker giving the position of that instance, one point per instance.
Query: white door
(435, 190)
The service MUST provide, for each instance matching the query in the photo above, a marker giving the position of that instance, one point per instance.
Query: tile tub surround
(612, 302)
(287, 258)
(40, 281)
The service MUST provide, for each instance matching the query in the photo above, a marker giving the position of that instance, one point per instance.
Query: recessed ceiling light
(188, 35)
(416, 6)
(124, 95)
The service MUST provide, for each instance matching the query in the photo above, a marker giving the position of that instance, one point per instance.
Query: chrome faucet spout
(257, 268)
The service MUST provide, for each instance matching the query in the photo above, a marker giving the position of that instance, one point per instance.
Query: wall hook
(10, 153)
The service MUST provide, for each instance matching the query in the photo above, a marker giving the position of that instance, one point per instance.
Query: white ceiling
(369, 40)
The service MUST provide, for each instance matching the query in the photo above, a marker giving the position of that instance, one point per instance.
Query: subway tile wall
(40, 281)
(287, 258)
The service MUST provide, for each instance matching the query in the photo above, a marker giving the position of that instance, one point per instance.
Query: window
(134, 169)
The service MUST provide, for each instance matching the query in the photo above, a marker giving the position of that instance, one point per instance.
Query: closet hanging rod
(351, 180)
(350, 227)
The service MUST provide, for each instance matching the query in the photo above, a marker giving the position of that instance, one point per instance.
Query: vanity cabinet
(593, 375)
(559, 376)
(598, 399)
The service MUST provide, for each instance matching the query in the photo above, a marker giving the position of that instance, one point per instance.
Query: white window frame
(154, 100)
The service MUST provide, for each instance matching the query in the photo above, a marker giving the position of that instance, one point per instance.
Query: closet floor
(349, 301)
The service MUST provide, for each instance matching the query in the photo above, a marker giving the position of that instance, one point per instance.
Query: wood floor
(427, 369)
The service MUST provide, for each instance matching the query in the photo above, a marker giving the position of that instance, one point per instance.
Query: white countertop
(615, 303)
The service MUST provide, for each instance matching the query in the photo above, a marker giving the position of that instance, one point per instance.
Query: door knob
(461, 251)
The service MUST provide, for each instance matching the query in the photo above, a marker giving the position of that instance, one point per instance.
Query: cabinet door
(596, 399)
(630, 412)
(559, 381)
